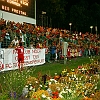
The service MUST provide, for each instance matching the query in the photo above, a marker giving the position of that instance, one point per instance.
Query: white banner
(9, 58)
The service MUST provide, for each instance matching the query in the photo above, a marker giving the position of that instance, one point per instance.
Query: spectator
(15, 41)
(53, 52)
(6, 40)
(37, 35)
(47, 53)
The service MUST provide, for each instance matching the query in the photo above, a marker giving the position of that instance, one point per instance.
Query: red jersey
(20, 50)
(69, 52)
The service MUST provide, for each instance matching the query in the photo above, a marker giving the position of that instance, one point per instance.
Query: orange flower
(34, 97)
(39, 99)
(86, 98)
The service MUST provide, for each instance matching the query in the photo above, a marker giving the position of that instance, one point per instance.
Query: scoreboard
(20, 7)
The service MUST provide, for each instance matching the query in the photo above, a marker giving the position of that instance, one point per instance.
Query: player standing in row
(20, 50)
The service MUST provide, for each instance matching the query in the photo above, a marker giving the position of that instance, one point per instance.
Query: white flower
(48, 98)
(58, 88)
(49, 91)
(80, 79)
(74, 91)
(55, 73)
(62, 92)
(26, 86)
(43, 96)
(34, 89)
(76, 78)
(40, 85)
(69, 79)
(74, 75)
(46, 86)
(60, 96)
(30, 84)
(36, 81)
(92, 94)
(49, 83)
(86, 92)
(83, 69)
(66, 87)
(53, 80)
(95, 87)
(30, 88)
(70, 90)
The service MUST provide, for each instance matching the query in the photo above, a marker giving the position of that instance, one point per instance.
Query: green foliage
(14, 81)
(4, 96)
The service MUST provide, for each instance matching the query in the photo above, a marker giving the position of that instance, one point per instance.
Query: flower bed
(80, 82)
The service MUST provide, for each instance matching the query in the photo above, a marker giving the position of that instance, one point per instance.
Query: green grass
(15, 81)
(51, 68)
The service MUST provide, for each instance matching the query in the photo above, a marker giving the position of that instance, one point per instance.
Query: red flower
(54, 97)
(55, 94)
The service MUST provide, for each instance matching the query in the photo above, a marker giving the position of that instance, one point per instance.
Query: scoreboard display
(20, 7)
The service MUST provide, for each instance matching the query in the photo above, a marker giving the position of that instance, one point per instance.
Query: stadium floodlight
(91, 27)
(96, 29)
(70, 24)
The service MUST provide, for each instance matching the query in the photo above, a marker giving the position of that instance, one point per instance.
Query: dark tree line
(59, 13)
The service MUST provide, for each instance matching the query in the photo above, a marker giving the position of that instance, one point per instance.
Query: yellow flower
(39, 93)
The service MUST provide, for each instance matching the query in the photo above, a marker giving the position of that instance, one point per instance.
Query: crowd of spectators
(32, 36)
